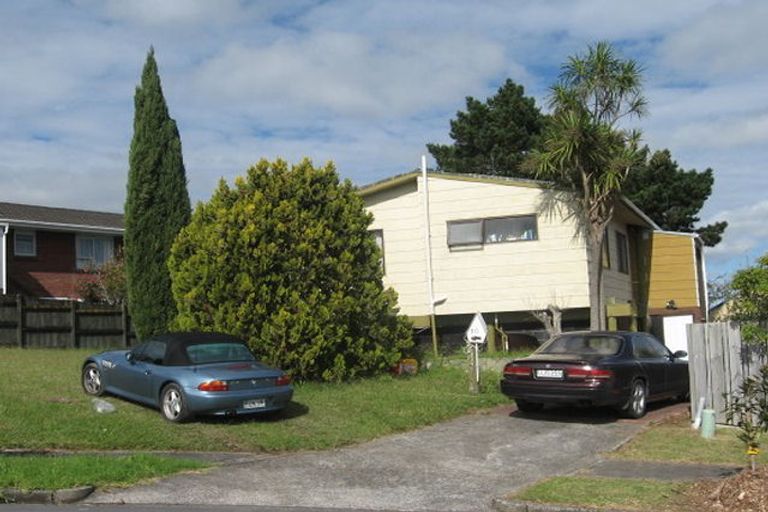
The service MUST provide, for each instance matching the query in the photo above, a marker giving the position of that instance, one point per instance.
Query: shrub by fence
(719, 361)
(62, 324)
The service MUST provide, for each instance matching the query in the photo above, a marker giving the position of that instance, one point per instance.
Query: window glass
(582, 344)
(510, 229)
(24, 243)
(154, 352)
(645, 347)
(205, 353)
(622, 253)
(378, 236)
(657, 347)
(465, 232)
(93, 251)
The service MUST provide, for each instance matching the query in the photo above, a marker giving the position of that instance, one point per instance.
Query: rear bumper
(588, 393)
(229, 402)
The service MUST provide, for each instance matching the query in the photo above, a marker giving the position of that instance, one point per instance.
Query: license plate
(255, 404)
(549, 374)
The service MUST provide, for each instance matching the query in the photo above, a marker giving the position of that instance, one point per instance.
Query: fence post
(20, 320)
(124, 311)
(73, 324)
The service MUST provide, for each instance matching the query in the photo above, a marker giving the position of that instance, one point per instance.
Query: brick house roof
(26, 213)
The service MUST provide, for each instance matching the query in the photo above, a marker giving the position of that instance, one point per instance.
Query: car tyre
(526, 406)
(91, 380)
(173, 404)
(637, 404)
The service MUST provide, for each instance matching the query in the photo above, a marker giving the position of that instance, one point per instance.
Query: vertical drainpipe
(428, 251)
(3, 259)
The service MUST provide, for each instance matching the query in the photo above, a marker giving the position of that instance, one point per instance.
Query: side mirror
(680, 354)
(129, 357)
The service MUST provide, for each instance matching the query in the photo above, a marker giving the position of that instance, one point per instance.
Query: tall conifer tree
(156, 207)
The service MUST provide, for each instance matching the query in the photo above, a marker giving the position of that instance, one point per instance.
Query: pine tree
(156, 207)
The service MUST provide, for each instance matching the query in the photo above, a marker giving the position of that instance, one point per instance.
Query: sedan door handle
(147, 372)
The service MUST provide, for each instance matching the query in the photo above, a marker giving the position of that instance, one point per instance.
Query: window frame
(33, 235)
(484, 232)
(92, 264)
(465, 221)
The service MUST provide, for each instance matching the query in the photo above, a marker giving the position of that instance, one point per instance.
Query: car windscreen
(582, 344)
(206, 353)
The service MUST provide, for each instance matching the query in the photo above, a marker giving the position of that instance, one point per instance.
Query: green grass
(676, 441)
(47, 472)
(43, 406)
(604, 492)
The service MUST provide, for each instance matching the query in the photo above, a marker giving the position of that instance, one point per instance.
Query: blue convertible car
(184, 374)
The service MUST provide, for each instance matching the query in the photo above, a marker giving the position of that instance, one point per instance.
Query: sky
(365, 84)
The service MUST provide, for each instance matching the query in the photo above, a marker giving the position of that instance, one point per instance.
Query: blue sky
(367, 85)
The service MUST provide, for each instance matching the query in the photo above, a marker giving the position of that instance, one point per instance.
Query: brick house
(45, 252)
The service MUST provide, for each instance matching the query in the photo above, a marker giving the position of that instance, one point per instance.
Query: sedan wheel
(637, 403)
(92, 380)
(173, 404)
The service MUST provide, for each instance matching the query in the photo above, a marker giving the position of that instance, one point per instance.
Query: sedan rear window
(205, 353)
(582, 344)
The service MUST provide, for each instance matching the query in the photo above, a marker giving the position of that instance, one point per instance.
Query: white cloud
(727, 39)
(745, 239)
(349, 74)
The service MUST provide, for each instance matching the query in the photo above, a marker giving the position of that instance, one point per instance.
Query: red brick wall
(52, 272)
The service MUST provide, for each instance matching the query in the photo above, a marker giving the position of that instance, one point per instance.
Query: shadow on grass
(587, 415)
(292, 410)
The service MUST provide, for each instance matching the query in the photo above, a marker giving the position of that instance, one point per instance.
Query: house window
(606, 256)
(93, 251)
(622, 253)
(492, 231)
(510, 229)
(24, 243)
(465, 232)
(378, 236)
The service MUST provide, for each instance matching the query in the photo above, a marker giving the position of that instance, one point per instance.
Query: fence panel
(59, 324)
(718, 363)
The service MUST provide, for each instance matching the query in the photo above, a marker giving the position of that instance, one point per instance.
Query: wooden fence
(62, 324)
(719, 362)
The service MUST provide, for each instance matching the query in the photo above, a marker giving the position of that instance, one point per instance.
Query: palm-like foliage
(586, 151)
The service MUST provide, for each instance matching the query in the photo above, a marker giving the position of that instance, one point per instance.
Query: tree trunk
(595, 276)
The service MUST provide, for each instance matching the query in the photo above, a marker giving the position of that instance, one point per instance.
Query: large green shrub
(284, 259)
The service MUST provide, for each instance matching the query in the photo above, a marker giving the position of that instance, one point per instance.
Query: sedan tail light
(589, 373)
(214, 385)
(515, 370)
(283, 380)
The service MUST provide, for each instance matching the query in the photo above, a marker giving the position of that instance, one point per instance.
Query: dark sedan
(184, 374)
(624, 370)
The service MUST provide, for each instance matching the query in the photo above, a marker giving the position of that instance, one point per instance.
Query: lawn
(671, 441)
(605, 492)
(45, 472)
(676, 441)
(42, 406)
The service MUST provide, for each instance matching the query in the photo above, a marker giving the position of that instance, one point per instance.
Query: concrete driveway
(459, 465)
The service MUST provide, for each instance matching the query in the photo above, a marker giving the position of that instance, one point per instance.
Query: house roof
(32, 216)
(400, 179)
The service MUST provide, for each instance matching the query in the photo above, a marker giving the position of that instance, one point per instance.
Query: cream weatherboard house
(485, 244)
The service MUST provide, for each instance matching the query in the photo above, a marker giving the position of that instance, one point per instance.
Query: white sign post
(475, 336)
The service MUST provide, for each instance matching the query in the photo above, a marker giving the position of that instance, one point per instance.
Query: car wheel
(173, 405)
(92, 383)
(637, 403)
(525, 406)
